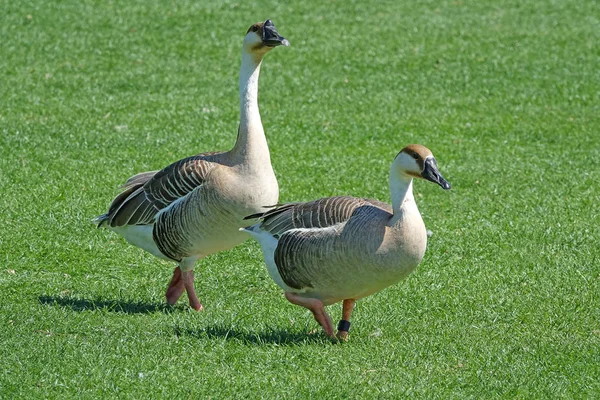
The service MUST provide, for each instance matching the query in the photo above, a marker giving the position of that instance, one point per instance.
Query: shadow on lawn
(127, 307)
(278, 336)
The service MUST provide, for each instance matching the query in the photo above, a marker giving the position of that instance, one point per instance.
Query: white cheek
(251, 40)
(409, 164)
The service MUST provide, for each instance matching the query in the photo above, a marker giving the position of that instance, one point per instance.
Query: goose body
(346, 248)
(195, 206)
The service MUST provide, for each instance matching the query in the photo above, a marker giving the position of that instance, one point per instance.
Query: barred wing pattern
(147, 193)
(320, 213)
(178, 179)
(307, 231)
(131, 191)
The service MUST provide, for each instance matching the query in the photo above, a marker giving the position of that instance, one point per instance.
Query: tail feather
(251, 229)
(257, 233)
(139, 179)
(101, 220)
(273, 210)
(131, 190)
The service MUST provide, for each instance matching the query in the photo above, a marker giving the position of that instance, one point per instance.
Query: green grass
(506, 303)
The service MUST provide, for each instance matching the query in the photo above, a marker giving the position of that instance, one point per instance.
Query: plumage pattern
(139, 179)
(147, 193)
(320, 213)
(346, 248)
(175, 232)
(179, 179)
(195, 206)
(310, 231)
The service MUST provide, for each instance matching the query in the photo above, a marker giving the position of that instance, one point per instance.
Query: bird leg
(344, 324)
(176, 287)
(188, 283)
(316, 307)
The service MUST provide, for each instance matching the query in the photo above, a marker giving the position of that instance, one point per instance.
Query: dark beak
(431, 173)
(270, 36)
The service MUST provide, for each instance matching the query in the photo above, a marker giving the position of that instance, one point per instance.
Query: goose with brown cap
(346, 248)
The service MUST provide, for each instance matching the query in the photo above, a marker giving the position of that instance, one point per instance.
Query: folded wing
(145, 194)
(306, 233)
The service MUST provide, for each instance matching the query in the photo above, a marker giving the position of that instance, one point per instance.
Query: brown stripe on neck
(413, 174)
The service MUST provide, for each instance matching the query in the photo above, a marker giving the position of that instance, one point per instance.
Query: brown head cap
(257, 27)
(418, 152)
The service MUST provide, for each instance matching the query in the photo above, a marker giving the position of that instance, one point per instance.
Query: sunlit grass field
(506, 303)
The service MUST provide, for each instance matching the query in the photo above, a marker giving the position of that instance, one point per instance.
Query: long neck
(251, 142)
(402, 194)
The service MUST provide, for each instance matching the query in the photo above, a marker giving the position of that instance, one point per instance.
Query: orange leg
(316, 307)
(176, 287)
(344, 325)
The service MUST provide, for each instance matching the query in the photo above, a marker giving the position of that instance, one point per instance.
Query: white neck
(402, 194)
(251, 143)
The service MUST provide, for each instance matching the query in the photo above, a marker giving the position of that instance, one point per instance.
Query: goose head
(417, 161)
(263, 37)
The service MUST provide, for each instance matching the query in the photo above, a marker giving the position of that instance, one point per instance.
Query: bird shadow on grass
(271, 336)
(126, 307)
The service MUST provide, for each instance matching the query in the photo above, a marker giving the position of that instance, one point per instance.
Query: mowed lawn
(506, 302)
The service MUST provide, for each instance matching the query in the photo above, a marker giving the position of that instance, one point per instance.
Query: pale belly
(354, 289)
(139, 236)
(212, 241)
(360, 271)
(218, 240)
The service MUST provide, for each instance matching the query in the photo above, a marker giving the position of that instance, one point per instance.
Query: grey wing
(178, 179)
(173, 229)
(139, 179)
(320, 213)
(380, 204)
(307, 233)
(147, 193)
(297, 255)
(128, 199)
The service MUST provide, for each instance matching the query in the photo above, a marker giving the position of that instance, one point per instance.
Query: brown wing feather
(295, 248)
(139, 179)
(178, 179)
(131, 210)
(313, 214)
(147, 193)
(132, 188)
(292, 250)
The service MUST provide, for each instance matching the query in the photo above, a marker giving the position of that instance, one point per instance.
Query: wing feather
(139, 179)
(147, 193)
(320, 213)
(306, 232)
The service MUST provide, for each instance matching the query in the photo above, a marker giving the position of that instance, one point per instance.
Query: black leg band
(344, 325)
